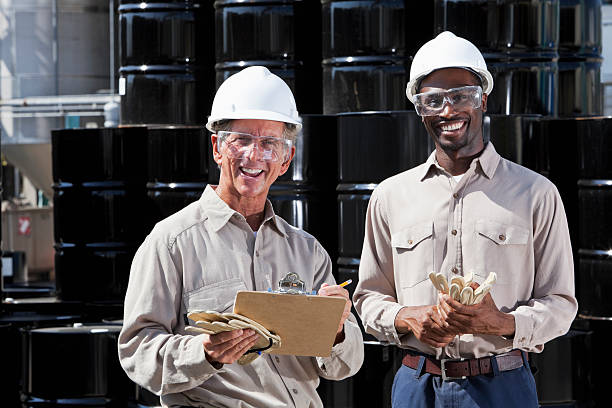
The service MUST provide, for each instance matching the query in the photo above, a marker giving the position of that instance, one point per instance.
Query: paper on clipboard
(306, 324)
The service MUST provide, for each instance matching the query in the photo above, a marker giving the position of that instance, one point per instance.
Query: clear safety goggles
(240, 145)
(432, 103)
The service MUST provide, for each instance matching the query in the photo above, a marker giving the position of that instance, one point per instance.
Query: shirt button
(409, 242)
(256, 253)
(456, 195)
(454, 232)
(294, 391)
(277, 359)
(502, 237)
(454, 270)
(452, 343)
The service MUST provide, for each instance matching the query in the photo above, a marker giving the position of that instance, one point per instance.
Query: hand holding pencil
(338, 290)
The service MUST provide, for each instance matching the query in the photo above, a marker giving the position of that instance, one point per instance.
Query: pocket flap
(217, 296)
(410, 237)
(502, 234)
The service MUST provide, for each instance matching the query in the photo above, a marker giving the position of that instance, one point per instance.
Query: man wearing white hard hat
(466, 263)
(227, 241)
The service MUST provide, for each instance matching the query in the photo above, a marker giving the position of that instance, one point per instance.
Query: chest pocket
(498, 246)
(413, 252)
(218, 296)
(502, 234)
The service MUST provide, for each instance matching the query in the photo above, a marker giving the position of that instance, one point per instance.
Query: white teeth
(251, 172)
(451, 127)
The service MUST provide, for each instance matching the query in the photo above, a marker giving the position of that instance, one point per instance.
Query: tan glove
(211, 322)
(459, 288)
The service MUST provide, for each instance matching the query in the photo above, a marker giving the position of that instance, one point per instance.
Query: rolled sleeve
(346, 357)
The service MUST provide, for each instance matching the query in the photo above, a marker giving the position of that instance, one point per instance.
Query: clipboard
(306, 324)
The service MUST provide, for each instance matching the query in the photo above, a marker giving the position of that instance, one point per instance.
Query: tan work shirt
(197, 259)
(500, 217)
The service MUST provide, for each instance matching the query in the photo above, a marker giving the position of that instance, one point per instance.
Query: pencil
(347, 282)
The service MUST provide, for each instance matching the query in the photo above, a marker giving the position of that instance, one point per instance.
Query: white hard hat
(447, 51)
(254, 93)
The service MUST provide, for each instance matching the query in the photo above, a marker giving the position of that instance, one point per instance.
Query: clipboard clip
(291, 284)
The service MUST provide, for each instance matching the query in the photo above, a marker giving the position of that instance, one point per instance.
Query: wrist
(507, 327)
(216, 365)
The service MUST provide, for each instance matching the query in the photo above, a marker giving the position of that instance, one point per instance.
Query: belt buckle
(445, 377)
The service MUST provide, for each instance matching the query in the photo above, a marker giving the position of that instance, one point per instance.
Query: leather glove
(459, 288)
(211, 322)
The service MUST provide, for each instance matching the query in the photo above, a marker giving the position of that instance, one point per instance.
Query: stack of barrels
(166, 52)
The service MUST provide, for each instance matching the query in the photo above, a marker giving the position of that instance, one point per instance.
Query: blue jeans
(514, 388)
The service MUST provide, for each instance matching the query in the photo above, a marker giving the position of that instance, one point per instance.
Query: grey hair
(290, 131)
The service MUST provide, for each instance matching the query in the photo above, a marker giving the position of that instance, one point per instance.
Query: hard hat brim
(487, 86)
(253, 114)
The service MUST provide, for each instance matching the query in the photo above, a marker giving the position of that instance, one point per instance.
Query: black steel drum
(99, 154)
(373, 146)
(166, 74)
(580, 28)
(272, 33)
(366, 27)
(594, 281)
(353, 202)
(96, 273)
(595, 204)
(99, 212)
(73, 363)
(370, 83)
(370, 387)
(580, 88)
(517, 28)
(512, 137)
(177, 154)
(595, 148)
(168, 198)
(564, 370)
(523, 87)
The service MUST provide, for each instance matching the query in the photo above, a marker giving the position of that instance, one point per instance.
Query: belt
(452, 369)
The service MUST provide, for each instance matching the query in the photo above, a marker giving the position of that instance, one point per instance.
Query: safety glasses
(241, 145)
(432, 103)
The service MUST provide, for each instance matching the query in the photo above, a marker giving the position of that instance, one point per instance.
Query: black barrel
(100, 209)
(519, 40)
(305, 195)
(364, 56)
(177, 168)
(370, 387)
(594, 203)
(564, 369)
(166, 51)
(512, 137)
(580, 28)
(283, 35)
(504, 28)
(16, 317)
(73, 365)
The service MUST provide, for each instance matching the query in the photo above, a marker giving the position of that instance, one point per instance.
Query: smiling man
(231, 240)
(465, 211)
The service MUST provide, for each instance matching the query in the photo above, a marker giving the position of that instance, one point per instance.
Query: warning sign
(25, 225)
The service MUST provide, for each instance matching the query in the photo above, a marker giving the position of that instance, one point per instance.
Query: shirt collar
(487, 161)
(219, 213)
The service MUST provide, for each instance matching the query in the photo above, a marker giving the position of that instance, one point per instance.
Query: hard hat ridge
(254, 93)
(447, 51)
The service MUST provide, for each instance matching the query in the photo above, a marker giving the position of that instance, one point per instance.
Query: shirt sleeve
(346, 357)
(551, 310)
(375, 295)
(149, 352)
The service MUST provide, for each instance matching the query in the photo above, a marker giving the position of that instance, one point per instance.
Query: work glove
(459, 288)
(211, 322)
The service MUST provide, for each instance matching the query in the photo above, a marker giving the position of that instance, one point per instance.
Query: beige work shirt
(197, 259)
(499, 217)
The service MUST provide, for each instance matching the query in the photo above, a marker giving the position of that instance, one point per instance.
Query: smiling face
(456, 131)
(248, 178)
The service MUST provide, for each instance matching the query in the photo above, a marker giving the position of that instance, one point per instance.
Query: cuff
(195, 350)
(523, 331)
(387, 323)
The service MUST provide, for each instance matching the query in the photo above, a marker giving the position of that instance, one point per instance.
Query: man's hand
(425, 323)
(337, 290)
(227, 347)
(481, 318)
